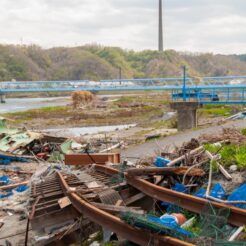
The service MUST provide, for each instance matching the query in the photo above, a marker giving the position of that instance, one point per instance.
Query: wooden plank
(85, 159)
(64, 202)
(117, 209)
(6, 187)
(134, 198)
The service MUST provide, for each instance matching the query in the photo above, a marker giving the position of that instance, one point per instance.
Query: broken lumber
(117, 209)
(6, 187)
(221, 168)
(92, 158)
(113, 147)
(181, 158)
(166, 170)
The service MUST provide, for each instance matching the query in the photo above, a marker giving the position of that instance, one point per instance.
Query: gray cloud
(190, 25)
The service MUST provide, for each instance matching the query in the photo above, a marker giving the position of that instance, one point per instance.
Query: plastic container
(161, 162)
(180, 218)
(169, 220)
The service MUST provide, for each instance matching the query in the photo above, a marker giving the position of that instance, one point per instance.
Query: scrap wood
(236, 233)
(221, 168)
(193, 167)
(117, 209)
(181, 158)
(113, 147)
(134, 198)
(6, 187)
(82, 190)
(188, 146)
(166, 170)
(231, 135)
(64, 202)
(119, 203)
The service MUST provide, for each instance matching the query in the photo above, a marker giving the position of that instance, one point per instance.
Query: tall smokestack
(160, 27)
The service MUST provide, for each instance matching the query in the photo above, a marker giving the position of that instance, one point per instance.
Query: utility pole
(120, 74)
(160, 27)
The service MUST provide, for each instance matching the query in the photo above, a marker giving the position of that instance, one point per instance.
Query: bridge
(212, 90)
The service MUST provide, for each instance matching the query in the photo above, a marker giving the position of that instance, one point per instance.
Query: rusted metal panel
(191, 203)
(86, 159)
(116, 225)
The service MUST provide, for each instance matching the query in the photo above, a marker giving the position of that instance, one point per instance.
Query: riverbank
(149, 113)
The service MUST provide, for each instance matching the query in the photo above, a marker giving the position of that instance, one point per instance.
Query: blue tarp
(4, 180)
(179, 188)
(7, 159)
(216, 192)
(5, 195)
(21, 188)
(239, 194)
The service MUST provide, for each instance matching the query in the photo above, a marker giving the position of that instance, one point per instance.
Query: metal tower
(160, 27)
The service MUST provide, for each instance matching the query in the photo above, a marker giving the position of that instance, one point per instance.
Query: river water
(80, 131)
(22, 104)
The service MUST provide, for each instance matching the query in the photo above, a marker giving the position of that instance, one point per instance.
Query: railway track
(191, 203)
(113, 223)
(93, 195)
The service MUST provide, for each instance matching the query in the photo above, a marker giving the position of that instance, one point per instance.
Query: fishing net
(152, 224)
(120, 177)
(210, 228)
(213, 222)
(226, 243)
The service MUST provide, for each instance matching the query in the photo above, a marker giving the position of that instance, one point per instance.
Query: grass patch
(53, 109)
(212, 148)
(211, 110)
(31, 112)
(244, 131)
(232, 154)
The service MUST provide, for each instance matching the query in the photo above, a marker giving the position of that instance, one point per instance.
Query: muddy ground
(148, 110)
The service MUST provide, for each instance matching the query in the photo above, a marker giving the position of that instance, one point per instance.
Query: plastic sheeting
(239, 194)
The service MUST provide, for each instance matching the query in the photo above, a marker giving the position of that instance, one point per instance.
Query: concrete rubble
(57, 190)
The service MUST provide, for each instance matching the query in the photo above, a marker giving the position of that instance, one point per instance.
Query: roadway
(149, 148)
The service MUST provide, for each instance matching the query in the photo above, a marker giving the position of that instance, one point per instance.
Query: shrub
(81, 98)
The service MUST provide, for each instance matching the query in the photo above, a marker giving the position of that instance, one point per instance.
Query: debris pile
(194, 195)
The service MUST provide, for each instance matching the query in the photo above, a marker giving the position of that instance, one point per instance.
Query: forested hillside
(96, 62)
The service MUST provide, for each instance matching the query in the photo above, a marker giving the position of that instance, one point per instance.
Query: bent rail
(194, 204)
(113, 223)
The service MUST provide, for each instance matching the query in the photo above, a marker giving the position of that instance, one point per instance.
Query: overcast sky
(217, 26)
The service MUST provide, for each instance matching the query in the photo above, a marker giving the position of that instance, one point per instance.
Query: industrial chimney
(160, 27)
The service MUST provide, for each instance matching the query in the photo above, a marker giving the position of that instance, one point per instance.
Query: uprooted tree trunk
(81, 98)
